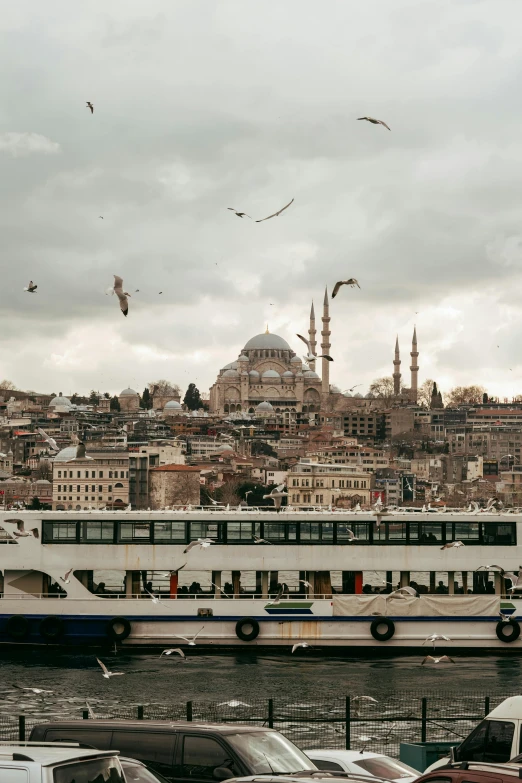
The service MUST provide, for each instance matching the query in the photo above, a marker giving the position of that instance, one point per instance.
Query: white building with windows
(321, 484)
(99, 482)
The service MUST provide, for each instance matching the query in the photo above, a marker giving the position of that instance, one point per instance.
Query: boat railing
(288, 598)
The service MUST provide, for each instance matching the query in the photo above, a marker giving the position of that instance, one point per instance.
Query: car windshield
(266, 752)
(106, 770)
(383, 767)
(137, 773)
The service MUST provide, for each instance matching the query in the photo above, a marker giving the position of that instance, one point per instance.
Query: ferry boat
(49, 596)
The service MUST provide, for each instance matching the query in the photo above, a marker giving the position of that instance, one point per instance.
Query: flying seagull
(515, 579)
(100, 217)
(154, 598)
(239, 214)
(65, 579)
(31, 288)
(374, 121)
(490, 568)
(277, 496)
(201, 542)
(311, 356)
(258, 540)
(278, 597)
(51, 441)
(276, 214)
(433, 659)
(305, 583)
(121, 294)
(352, 388)
(436, 637)
(90, 106)
(190, 640)
(20, 531)
(173, 650)
(453, 544)
(233, 703)
(106, 673)
(352, 282)
(299, 644)
(80, 452)
(404, 592)
(38, 691)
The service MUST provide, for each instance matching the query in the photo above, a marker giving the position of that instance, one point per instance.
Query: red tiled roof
(177, 469)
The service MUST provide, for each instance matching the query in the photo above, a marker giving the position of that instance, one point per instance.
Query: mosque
(268, 377)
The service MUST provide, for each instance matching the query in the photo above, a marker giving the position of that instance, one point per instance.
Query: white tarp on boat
(425, 606)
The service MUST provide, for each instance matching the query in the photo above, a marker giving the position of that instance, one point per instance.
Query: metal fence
(352, 722)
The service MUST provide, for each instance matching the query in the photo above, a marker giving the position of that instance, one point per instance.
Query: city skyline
(197, 113)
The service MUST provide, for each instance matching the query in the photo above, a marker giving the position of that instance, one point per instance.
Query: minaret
(414, 366)
(311, 335)
(325, 346)
(397, 370)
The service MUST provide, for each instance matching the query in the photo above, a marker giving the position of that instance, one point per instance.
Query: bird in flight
(101, 217)
(20, 531)
(352, 282)
(276, 214)
(515, 579)
(51, 441)
(80, 452)
(433, 659)
(436, 637)
(352, 388)
(90, 106)
(278, 597)
(31, 288)
(277, 496)
(453, 544)
(233, 703)
(106, 673)
(305, 583)
(311, 356)
(174, 650)
(258, 540)
(121, 294)
(65, 579)
(404, 592)
(190, 640)
(201, 542)
(374, 121)
(300, 644)
(239, 214)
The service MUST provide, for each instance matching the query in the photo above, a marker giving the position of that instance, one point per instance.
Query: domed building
(129, 400)
(61, 404)
(267, 371)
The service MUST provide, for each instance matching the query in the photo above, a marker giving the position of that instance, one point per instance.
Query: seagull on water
(106, 673)
(276, 214)
(233, 703)
(311, 357)
(258, 540)
(374, 121)
(277, 496)
(90, 106)
(65, 579)
(121, 294)
(51, 441)
(433, 659)
(20, 531)
(176, 650)
(201, 542)
(453, 545)
(38, 691)
(190, 640)
(31, 288)
(239, 214)
(300, 644)
(352, 282)
(367, 699)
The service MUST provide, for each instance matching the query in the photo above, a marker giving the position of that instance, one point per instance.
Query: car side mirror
(453, 754)
(222, 773)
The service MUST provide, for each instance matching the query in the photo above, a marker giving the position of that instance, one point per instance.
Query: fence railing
(351, 722)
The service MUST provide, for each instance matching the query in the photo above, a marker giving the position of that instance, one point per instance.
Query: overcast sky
(200, 106)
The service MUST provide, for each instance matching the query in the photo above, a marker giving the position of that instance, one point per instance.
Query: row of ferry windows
(92, 474)
(180, 532)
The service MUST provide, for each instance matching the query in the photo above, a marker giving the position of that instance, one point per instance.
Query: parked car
(313, 777)
(137, 772)
(473, 772)
(496, 739)
(44, 764)
(185, 751)
(363, 762)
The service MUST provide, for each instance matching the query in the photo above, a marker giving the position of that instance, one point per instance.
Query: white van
(26, 763)
(498, 738)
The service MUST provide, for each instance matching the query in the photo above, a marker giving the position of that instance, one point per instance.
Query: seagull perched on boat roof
(203, 543)
(311, 357)
(190, 640)
(176, 650)
(20, 531)
(495, 504)
(277, 496)
(106, 673)
(51, 441)
(352, 282)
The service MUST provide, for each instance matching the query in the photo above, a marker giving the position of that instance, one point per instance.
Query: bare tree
(383, 388)
(424, 393)
(163, 388)
(44, 471)
(465, 395)
(229, 493)
(7, 385)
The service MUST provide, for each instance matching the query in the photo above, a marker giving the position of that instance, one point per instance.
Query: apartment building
(100, 481)
(323, 484)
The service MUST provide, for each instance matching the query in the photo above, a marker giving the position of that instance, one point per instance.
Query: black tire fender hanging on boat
(382, 636)
(17, 626)
(51, 627)
(118, 629)
(502, 627)
(247, 636)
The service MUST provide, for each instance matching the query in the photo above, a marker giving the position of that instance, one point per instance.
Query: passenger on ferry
(441, 589)
(100, 590)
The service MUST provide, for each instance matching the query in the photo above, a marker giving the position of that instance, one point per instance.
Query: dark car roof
(506, 771)
(145, 725)
(311, 777)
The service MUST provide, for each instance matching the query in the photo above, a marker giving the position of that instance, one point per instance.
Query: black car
(183, 751)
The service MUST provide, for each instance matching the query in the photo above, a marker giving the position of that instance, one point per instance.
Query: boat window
(465, 531)
(397, 531)
(361, 531)
(58, 531)
(98, 530)
(239, 531)
(494, 533)
(134, 531)
(310, 531)
(430, 533)
(275, 531)
(203, 530)
(169, 531)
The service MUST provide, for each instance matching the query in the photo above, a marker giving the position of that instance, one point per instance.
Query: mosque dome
(254, 374)
(243, 358)
(267, 340)
(295, 360)
(65, 454)
(172, 405)
(369, 396)
(310, 374)
(230, 374)
(60, 401)
(347, 394)
(231, 366)
(358, 396)
(264, 407)
(128, 392)
(270, 375)
(288, 374)
(335, 389)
